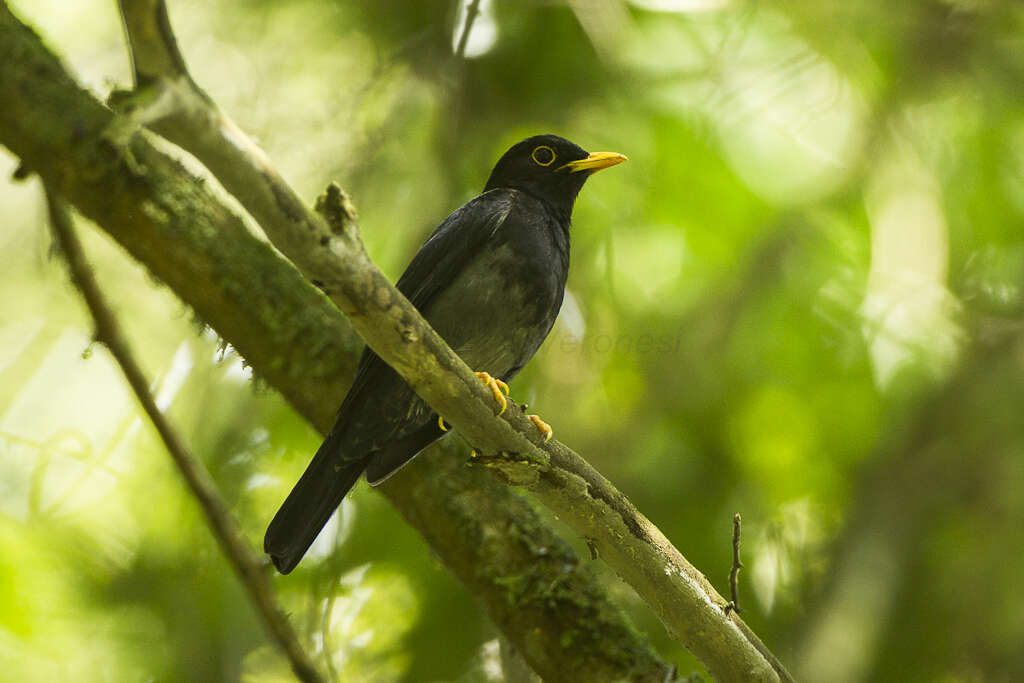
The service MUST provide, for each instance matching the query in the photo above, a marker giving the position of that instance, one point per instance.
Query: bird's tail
(308, 507)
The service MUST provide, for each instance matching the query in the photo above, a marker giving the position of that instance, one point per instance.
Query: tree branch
(472, 9)
(691, 609)
(688, 605)
(243, 559)
(737, 565)
(488, 536)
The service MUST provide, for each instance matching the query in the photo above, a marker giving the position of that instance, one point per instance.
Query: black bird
(490, 280)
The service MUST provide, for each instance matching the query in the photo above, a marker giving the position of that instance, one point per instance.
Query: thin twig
(223, 525)
(734, 573)
(472, 9)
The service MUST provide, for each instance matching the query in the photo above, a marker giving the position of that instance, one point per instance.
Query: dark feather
(309, 505)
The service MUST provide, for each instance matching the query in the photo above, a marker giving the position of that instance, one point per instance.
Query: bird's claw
(496, 386)
(543, 426)
(441, 424)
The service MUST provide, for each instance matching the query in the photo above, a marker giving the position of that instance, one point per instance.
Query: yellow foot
(441, 424)
(496, 386)
(543, 426)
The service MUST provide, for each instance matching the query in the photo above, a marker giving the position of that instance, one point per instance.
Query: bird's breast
(502, 305)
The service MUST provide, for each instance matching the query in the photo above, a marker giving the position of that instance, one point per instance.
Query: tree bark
(550, 607)
(548, 603)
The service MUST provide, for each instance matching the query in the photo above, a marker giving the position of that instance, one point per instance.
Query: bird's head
(549, 168)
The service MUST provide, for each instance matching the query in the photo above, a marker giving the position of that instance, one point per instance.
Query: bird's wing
(438, 262)
(453, 245)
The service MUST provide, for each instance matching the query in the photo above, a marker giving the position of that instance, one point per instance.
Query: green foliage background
(788, 304)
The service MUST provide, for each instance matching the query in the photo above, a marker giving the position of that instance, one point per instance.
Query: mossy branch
(687, 604)
(690, 608)
(528, 579)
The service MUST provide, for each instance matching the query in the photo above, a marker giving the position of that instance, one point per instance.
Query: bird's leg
(543, 426)
(496, 386)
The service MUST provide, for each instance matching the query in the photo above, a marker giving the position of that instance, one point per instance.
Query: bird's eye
(543, 155)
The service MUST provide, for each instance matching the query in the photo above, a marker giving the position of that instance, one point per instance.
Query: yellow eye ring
(542, 149)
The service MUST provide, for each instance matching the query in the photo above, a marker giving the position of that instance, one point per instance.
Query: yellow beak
(594, 162)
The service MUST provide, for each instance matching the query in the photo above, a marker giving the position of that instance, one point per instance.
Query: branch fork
(627, 541)
(622, 537)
